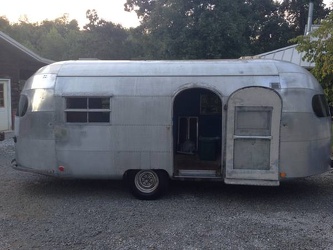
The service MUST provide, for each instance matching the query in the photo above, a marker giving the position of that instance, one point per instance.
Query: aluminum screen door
(5, 105)
(253, 130)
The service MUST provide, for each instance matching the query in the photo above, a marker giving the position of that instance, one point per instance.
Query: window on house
(87, 109)
(2, 96)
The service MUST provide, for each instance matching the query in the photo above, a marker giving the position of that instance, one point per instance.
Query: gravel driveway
(38, 212)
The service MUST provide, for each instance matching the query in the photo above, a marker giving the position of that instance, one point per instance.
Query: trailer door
(5, 105)
(253, 135)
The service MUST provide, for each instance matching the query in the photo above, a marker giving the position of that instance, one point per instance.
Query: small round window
(23, 106)
(319, 105)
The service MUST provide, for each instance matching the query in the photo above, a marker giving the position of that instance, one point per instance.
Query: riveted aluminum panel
(147, 110)
(299, 80)
(305, 158)
(37, 125)
(87, 164)
(85, 137)
(142, 138)
(300, 127)
(297, 99)
(40, 81)
(154, 86)
(167, 68)
(41, 100)
(143, 160)
(37, 154)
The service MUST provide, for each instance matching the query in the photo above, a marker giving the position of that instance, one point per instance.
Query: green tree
(318, 48)
(26, 34)
(172, 29)
(4, 24)
(104, 40)
(296, 13)
(48, 39)
(52, 45)
(268, 29)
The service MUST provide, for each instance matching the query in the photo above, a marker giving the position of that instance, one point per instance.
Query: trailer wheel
(148, 184)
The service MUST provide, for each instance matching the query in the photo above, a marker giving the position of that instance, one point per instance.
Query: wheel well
(132, 171)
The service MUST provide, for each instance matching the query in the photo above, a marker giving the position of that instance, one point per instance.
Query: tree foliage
(62, 39)
(170, 29)
(318, 48)
(218, 29)
(296, 13)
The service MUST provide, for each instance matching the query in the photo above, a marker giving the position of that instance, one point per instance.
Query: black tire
(148, 184)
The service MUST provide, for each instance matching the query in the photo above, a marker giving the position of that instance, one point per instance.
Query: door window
(253, 120)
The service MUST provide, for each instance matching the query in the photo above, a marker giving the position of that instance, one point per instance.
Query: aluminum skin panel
(38, 122)
(143, 160)
(167, 68)
(87, 164)
(38, 125)
(41, 100)
(304, 127)
(298, 100)
(83, 137)
(40, 81)
(155, 86)
(142, 138)
(84, 150)
(305, 158)
(36, 154)
(135, 110)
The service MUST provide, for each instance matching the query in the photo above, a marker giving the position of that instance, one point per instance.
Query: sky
(39, 10)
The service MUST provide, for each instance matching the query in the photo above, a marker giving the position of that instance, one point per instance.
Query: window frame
(88, 110)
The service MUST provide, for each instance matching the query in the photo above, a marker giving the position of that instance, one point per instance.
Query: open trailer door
(253, 136)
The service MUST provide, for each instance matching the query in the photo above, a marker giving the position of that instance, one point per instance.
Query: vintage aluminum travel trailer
(5, 107)
(253, 122)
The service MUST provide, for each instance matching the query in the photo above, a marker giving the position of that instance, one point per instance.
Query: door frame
(200, 173)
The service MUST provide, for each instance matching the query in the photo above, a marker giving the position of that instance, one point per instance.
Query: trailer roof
(99, 68)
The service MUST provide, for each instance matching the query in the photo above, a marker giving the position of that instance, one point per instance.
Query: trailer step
(182, 173)
(252, 182)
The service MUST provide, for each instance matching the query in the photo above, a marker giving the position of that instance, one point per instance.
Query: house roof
(9, 45)
(289, 54)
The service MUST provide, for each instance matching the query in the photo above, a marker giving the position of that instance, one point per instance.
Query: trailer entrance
(253, 137)
(197, 133)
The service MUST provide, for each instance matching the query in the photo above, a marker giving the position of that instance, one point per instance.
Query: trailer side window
(320, 106)
(87, 109)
